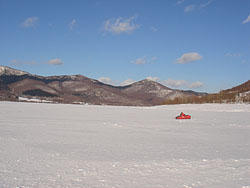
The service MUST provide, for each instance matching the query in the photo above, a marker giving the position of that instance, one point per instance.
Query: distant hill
(245, 87)
(240, 93)
(80, 89)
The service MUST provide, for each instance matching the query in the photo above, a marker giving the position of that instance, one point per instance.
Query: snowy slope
(10, 71)
(84, 146)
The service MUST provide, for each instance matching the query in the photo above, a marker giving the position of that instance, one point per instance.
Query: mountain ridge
(80, 89)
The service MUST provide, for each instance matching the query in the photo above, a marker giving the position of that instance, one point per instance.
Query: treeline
(222, 97)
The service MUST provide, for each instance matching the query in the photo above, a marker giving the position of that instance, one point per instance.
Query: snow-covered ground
(85, 146)
(24, 99)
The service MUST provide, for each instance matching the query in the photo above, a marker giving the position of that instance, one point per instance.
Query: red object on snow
(183, 116)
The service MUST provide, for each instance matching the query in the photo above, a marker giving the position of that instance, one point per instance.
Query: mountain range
(16, 85)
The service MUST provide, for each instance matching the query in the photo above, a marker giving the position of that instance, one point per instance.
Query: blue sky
(203, 45)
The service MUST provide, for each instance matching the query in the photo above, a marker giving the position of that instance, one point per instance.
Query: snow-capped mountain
(10, 71)
(80, 89)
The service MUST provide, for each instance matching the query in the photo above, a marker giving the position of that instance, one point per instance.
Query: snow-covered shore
(85, 146)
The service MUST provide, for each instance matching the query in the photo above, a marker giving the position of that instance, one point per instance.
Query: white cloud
(106, 80)
(72, 24)
(194, 85)
(189, 57)
(205, 4)
(153, 78)
(189, 8)
(120, 25)
(195, 7)
(127, 82)
(175, 83)
(140, 61)
(30, 22)
(246, 20)
(144, 60)
(55, 61)
(180, 2)
(182, 84)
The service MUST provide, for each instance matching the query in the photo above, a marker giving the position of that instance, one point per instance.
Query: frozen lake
(84, 146)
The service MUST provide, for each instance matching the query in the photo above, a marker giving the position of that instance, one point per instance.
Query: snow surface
(33, 100)
(85, 146)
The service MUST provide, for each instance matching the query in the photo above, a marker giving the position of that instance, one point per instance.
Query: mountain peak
(148, 83)
(148, 80)
(4, 70)
(150, 87)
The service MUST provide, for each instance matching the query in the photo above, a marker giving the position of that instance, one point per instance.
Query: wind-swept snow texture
(84, 146)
